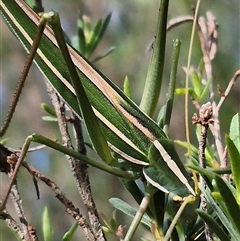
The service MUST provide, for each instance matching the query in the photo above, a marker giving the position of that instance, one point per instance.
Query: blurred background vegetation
(131, 31)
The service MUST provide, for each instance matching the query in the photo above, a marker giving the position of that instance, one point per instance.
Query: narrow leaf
(105, 25)
(197, 84)
(172, 84)
(182, 91)
(235, 165)
(101, 33)
(155, 71)
(94, 38)
(104, 54)
(49, 118)
(81, 42)
(216, 228)
(81, 34)
(206, 89)
(127, 88)
(4, 141)
(69, 234)
(225, 220)
(230, 202)
(49, 110)
(46, 225)
(235, 130)
(127, 209)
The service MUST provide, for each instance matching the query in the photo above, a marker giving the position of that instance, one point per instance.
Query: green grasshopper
(124, 127)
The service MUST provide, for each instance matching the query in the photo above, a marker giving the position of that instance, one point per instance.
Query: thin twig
(204, 119)
(70, 208)
(228, 89)
(83, 183)
(11, 222)
(208, 37)
(23, 229)
(17, 202)
(178, 20)
(78, 168)
(16, 228)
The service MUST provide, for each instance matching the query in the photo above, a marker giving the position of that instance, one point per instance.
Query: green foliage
(48, 109)
(46, 226)
(221, 197)
(129, 210)
(89, 36)
(48, 230)
(69, 234)
(234, 155)
(234, 133)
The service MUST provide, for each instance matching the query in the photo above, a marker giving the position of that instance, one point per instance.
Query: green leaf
(221, 203)
(206, 89)
(104, 54)
(235, 130)
(216, 228)
(104, 26)
(202, 171)
(223, 218)
(172, 85)
(155, 70)
(160, 118)
(127, 209)
(98, 32)
(111, 225)
(4, 141)
(230, 202)
(69, 234)
(194, 150)
(93, 40)
(182, 91)
(113, 222)
(46, 225)
(81, 42)
(207, 175)
(235, 165)
(127, 88)
(197, 83)
(50, 119)
(49, 109)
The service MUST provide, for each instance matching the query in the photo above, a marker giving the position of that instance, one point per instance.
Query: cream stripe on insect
(78, 60)
(173, 166)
